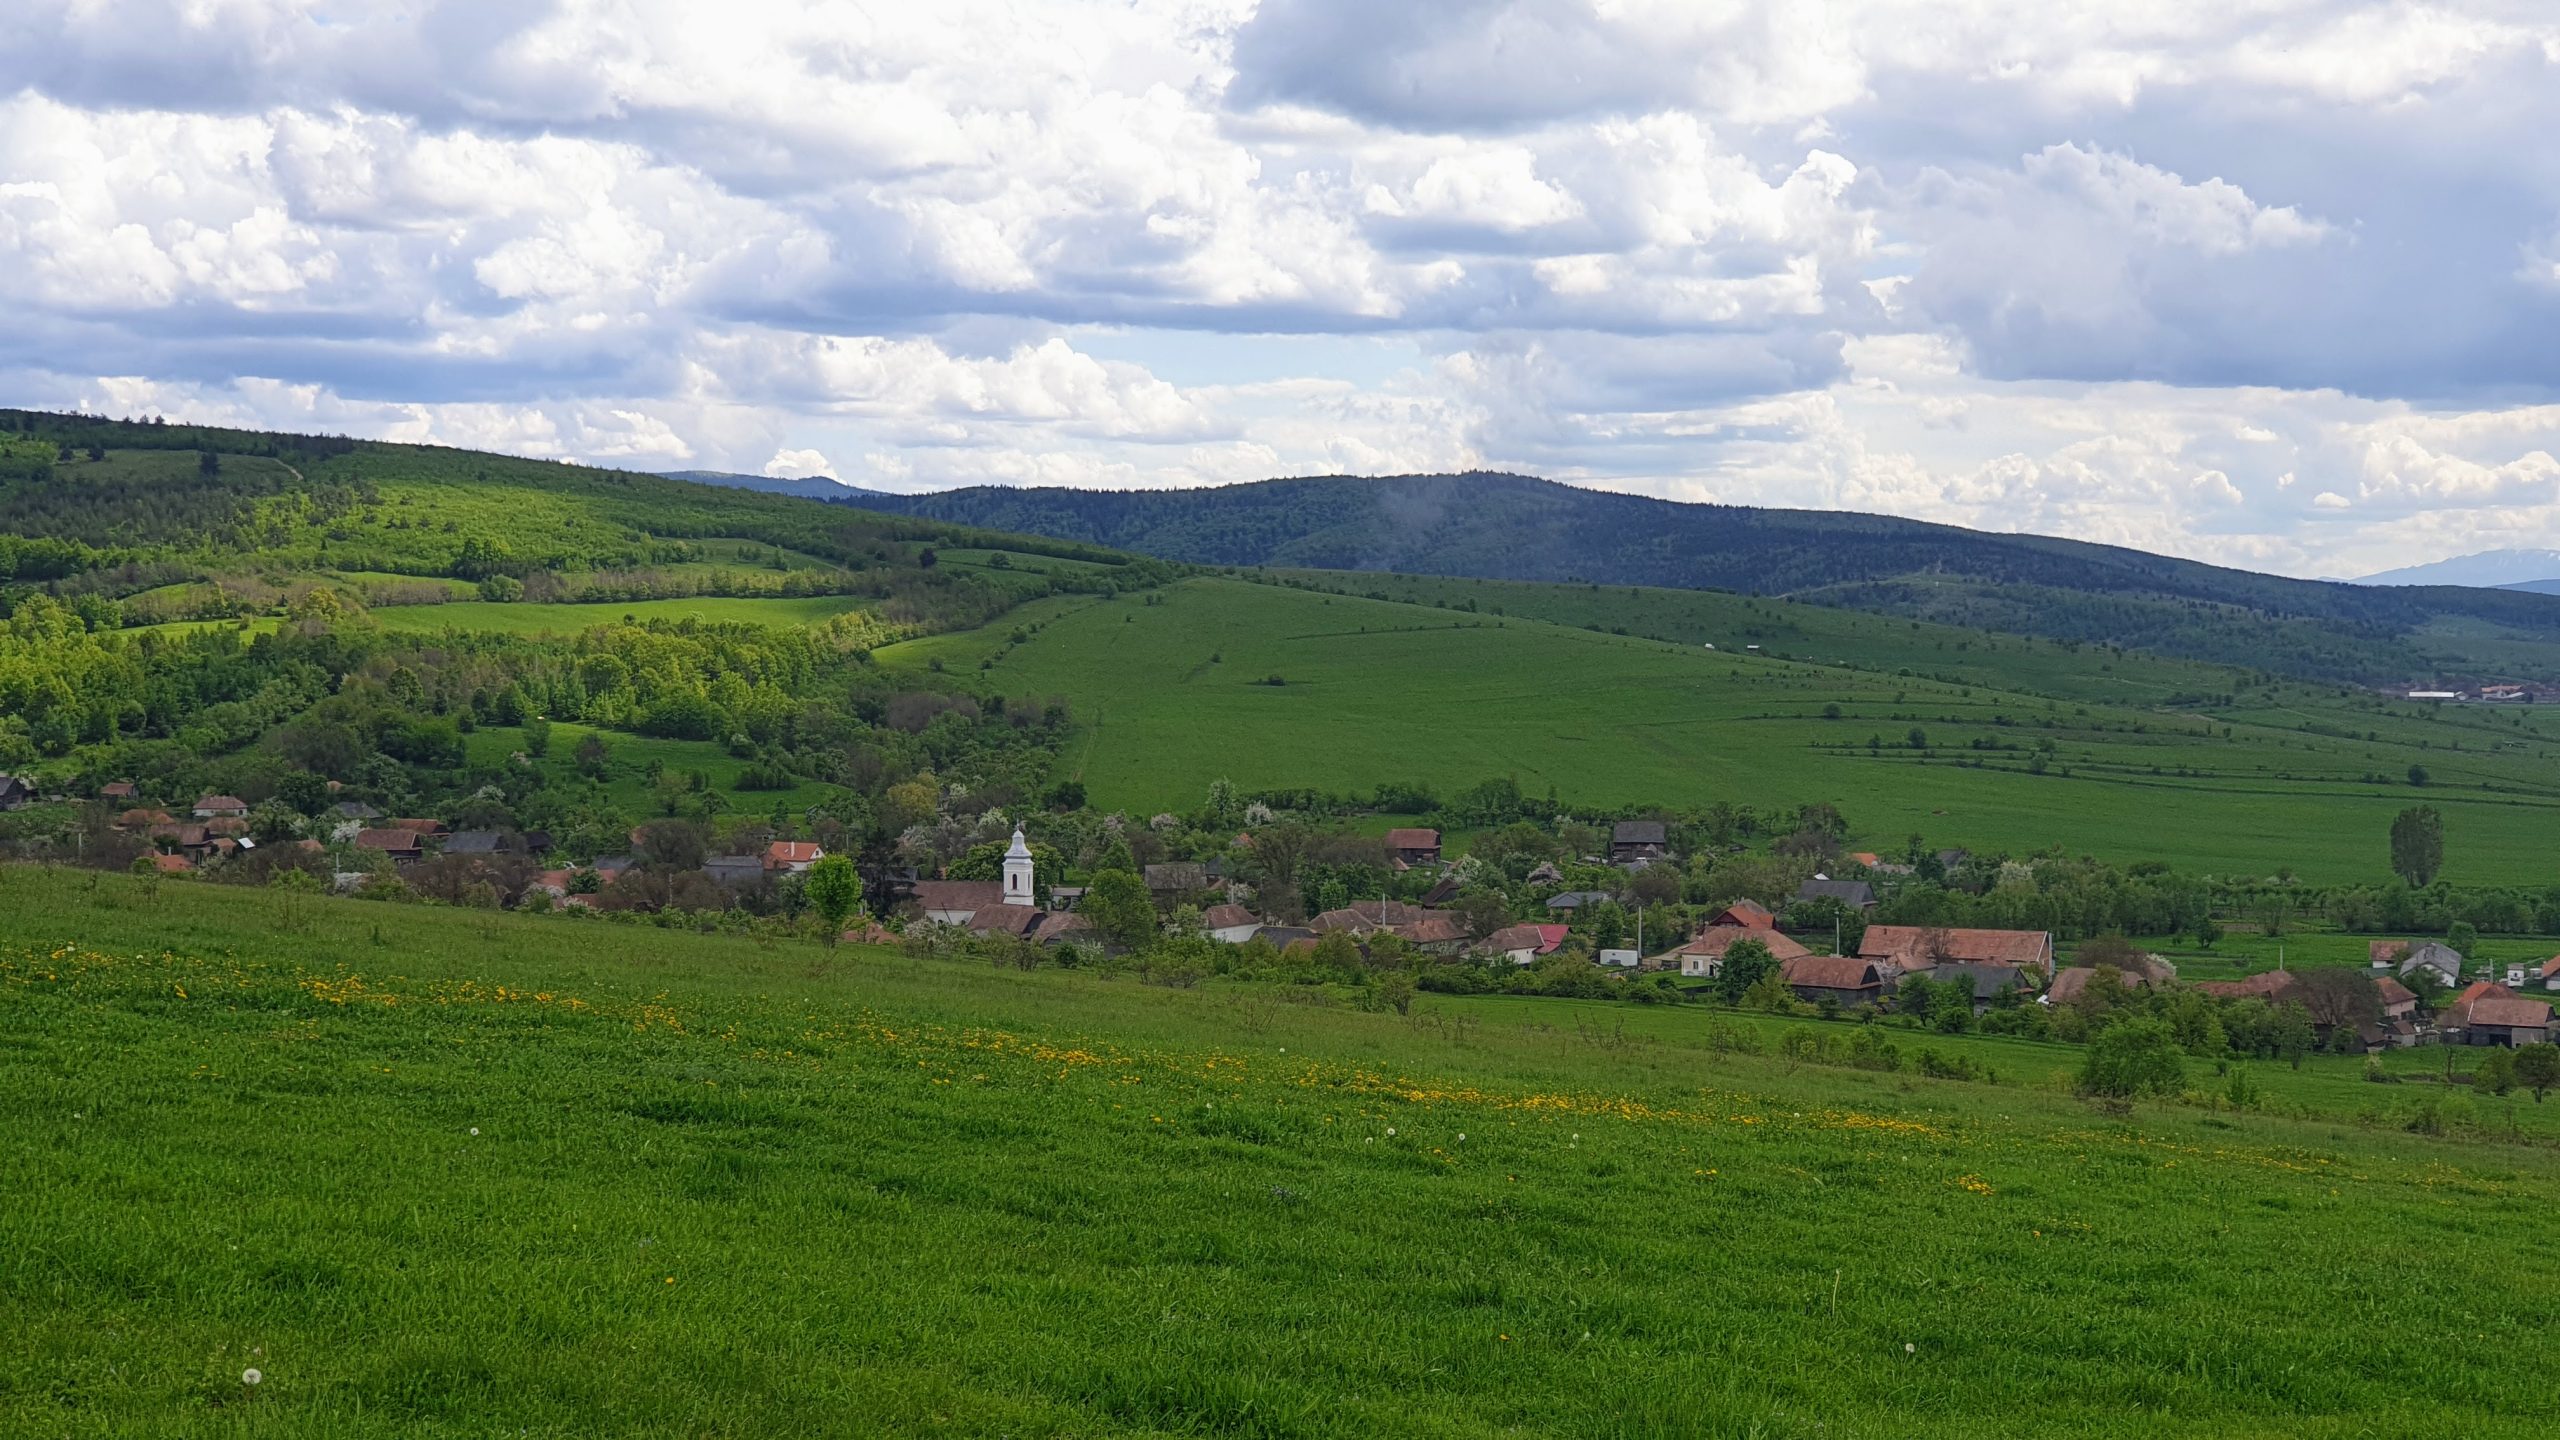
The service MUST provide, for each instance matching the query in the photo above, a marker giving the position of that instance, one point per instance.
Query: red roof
(170, 864)
(793, 852)
(1433, 930)
(2266, 985)
(116, 790)
(389, 841)
(2510, 1012)
(2549, 968)
(2393, 992)
(144, 817)
(1831, 972)
(1413, 839)
(1226, 917)
(1717, 939)
(2386, 952)
(423, 827)
(1908, 946)
(222, 802)
(1749, 914)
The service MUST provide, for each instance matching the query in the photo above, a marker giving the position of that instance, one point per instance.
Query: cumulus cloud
(2270, 282)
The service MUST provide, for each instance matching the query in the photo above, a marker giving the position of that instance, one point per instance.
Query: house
(1176, 879)
(1746, 914)
(1703, 956)
(422, 827)
(734, 870)
(2508, 1021)
(119, 792)
(404, 847)
(1546, 873)
(230, 827)
(2441, 959)
(1949, 861)
(193, 841)
(354, 810)
(2271, 986)
(171, 864)
(1572, 900)
(1875, 864)
(2548, 972)
(1856, 894)
(475, 842)
(792, 857)
(1414, 846)
(1845, 980)
(1922, 947)
(141, 819)
(1442, 891)
(1364, 917)
(2386, 954)
(954, 902)
(2073, 983)
(1523, 944)
(1065, 897)
(1283, 937)
(213, 807)
(1989, 981)
(2398, 1025)
(1633, 840)
(1233, 924)
(1437, 931)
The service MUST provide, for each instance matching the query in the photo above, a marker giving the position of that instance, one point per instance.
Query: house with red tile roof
(791, 857)
(212, 807)
(1702, 956)
(2507, 1020)
(1920, 947)
(1523, 944)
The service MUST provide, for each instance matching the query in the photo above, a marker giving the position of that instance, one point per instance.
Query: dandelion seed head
(250, 1376)
(1910, 1349)
(475, 1129)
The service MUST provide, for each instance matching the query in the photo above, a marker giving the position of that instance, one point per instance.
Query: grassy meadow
(447, 1173)
(520, 617)
(1175, 694)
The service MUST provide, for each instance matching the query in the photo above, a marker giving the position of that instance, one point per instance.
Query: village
(1605, 923)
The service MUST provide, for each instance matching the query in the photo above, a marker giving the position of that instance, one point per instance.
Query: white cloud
(2263, 280)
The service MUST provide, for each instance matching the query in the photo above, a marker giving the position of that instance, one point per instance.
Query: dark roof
(1637, 832)
(1575, 899)
(1848, 892)
(474, 842)
(1830, 972)
(354, 810)
(1284, 936)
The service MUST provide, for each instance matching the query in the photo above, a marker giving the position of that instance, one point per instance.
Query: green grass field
(627, 760)
(444, 1173)
(1378, 691)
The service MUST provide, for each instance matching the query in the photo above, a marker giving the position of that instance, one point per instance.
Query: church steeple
(1017, 871)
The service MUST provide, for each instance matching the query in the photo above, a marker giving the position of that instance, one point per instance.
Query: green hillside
(1173, 693)
(1519, 528)
(689, 1184)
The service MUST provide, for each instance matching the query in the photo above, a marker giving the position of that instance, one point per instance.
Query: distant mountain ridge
(1516, 527)
(2497, 569)
(813, 487)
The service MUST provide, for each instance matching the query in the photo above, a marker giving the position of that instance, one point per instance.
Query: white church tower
(1017, 871)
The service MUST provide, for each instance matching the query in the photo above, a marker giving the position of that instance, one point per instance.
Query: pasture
(445, 1172)
(1176, 694)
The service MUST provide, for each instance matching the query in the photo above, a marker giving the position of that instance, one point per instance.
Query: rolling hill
(1992, 742)
(1514, 527)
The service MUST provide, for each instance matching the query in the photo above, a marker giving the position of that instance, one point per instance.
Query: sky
(2270, 283)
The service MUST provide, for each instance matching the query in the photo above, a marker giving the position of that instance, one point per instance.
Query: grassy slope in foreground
(719, 1188)
(1382, 692)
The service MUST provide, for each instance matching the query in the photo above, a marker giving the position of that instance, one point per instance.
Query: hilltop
(1515, 527)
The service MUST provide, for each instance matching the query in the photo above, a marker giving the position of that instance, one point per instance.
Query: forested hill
(1515, 527)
